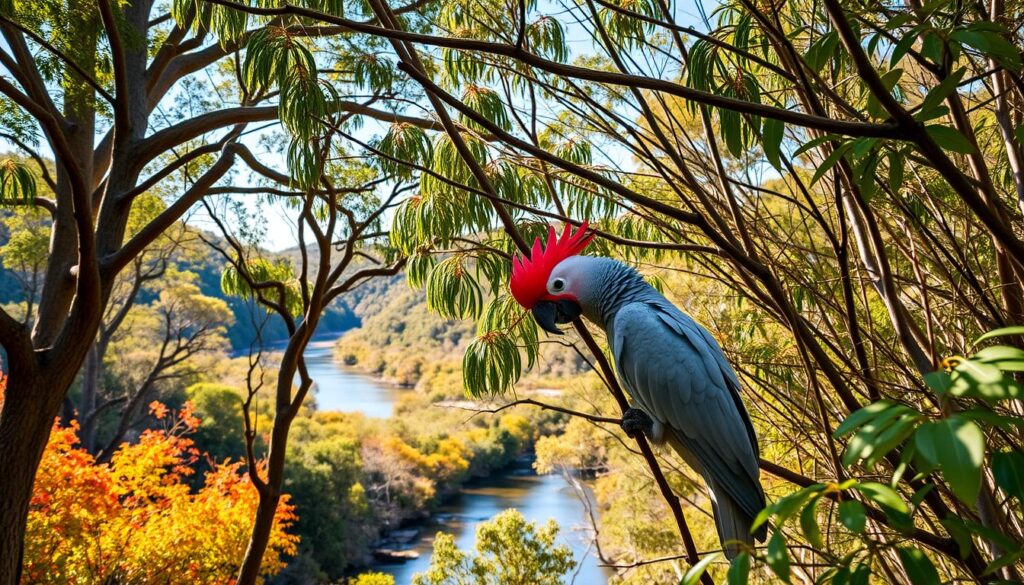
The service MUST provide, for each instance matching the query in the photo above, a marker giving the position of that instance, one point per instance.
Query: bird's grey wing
(677, 373)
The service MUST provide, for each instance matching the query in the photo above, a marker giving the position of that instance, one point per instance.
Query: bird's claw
(636, 422)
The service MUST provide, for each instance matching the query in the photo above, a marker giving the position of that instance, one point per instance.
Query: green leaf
(860, 575)
(985, 380)
(918, 567)
(814, 143)
(830, 161)
(851, 515)
(809, 522)
(1002, 332)
(771, 136)
(939, 382)
(861, 416)
(950, 139)
(883, 495)
(990, 43)
(777, 556)
(739, 570)
(889, 79)
(1008, 469)
(491, 364)
(939, 93)
(960, 533)
(1004, 561)
(897, 162)
(822, 50)
(17, 183)
(957, 446)
(692, 576)
(901, 48)
(1004, 357)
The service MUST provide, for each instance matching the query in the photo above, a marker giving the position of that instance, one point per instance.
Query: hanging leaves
(488, 104)
(17, 183)
(271, 279)
(491, 365)
(453, 291)
(404, 142)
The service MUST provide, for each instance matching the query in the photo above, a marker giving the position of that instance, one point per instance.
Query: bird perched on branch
(684, 392)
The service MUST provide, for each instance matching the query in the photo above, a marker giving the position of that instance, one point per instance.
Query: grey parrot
(684, 392)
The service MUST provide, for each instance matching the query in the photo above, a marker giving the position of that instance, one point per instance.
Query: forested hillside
(750, 270)
(208, 265)
(403, 342)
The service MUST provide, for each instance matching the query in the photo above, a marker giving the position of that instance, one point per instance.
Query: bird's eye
(557, 284)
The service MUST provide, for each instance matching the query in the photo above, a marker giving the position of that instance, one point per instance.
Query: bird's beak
(550, 314)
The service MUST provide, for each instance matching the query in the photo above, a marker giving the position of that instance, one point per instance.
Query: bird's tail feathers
(732, 521)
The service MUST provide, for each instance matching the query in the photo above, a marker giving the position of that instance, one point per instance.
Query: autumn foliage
(137, 519)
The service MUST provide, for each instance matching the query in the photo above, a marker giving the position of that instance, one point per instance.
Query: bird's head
(549, 283)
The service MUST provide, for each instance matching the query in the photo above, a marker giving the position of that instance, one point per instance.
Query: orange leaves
(136, 520)
(157, 409)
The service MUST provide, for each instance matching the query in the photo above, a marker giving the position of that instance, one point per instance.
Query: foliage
(136, 519)
(945, 447)
(372, 579)
(508, 551)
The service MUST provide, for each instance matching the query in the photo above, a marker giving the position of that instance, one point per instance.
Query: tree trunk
(262, 526)
(87, 403)
(25, 423)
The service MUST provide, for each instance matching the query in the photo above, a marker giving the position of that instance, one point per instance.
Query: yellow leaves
(136, 520)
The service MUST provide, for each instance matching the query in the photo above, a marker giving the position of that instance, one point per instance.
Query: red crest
(529, 282)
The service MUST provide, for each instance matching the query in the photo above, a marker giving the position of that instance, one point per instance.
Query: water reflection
(538, 498)
(339, 389)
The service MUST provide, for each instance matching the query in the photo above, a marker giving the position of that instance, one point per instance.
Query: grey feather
(676, 372)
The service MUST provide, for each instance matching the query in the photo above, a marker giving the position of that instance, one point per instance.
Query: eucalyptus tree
(342, 245)
(125, 98)
(851, 173)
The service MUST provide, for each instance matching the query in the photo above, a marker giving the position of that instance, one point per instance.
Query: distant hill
(404, 343)
(338, 317)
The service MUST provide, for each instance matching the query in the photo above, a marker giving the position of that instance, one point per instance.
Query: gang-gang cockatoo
(683, 389)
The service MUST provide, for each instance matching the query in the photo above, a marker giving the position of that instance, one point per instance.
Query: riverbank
(538, 497)
(489, 484)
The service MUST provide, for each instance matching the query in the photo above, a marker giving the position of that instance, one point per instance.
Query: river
(537, 497)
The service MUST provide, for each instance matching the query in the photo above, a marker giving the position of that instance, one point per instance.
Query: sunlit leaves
(491, 365)
(739, 570)
(851, 515)
(225, 22)
(303, 105)
(488, 104)
(694, 573)
(453, 290)
(822, 50)
(275, 57)
(771, 140)
(777, 556)
(957, 447)
(881, 427)
(136, 519)
(261, 278)
(950, 139)
(404, 142)
(988, 38)
(17, 183)
(546, 37)
(631, 32)
(504, 314)
(373, 72)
